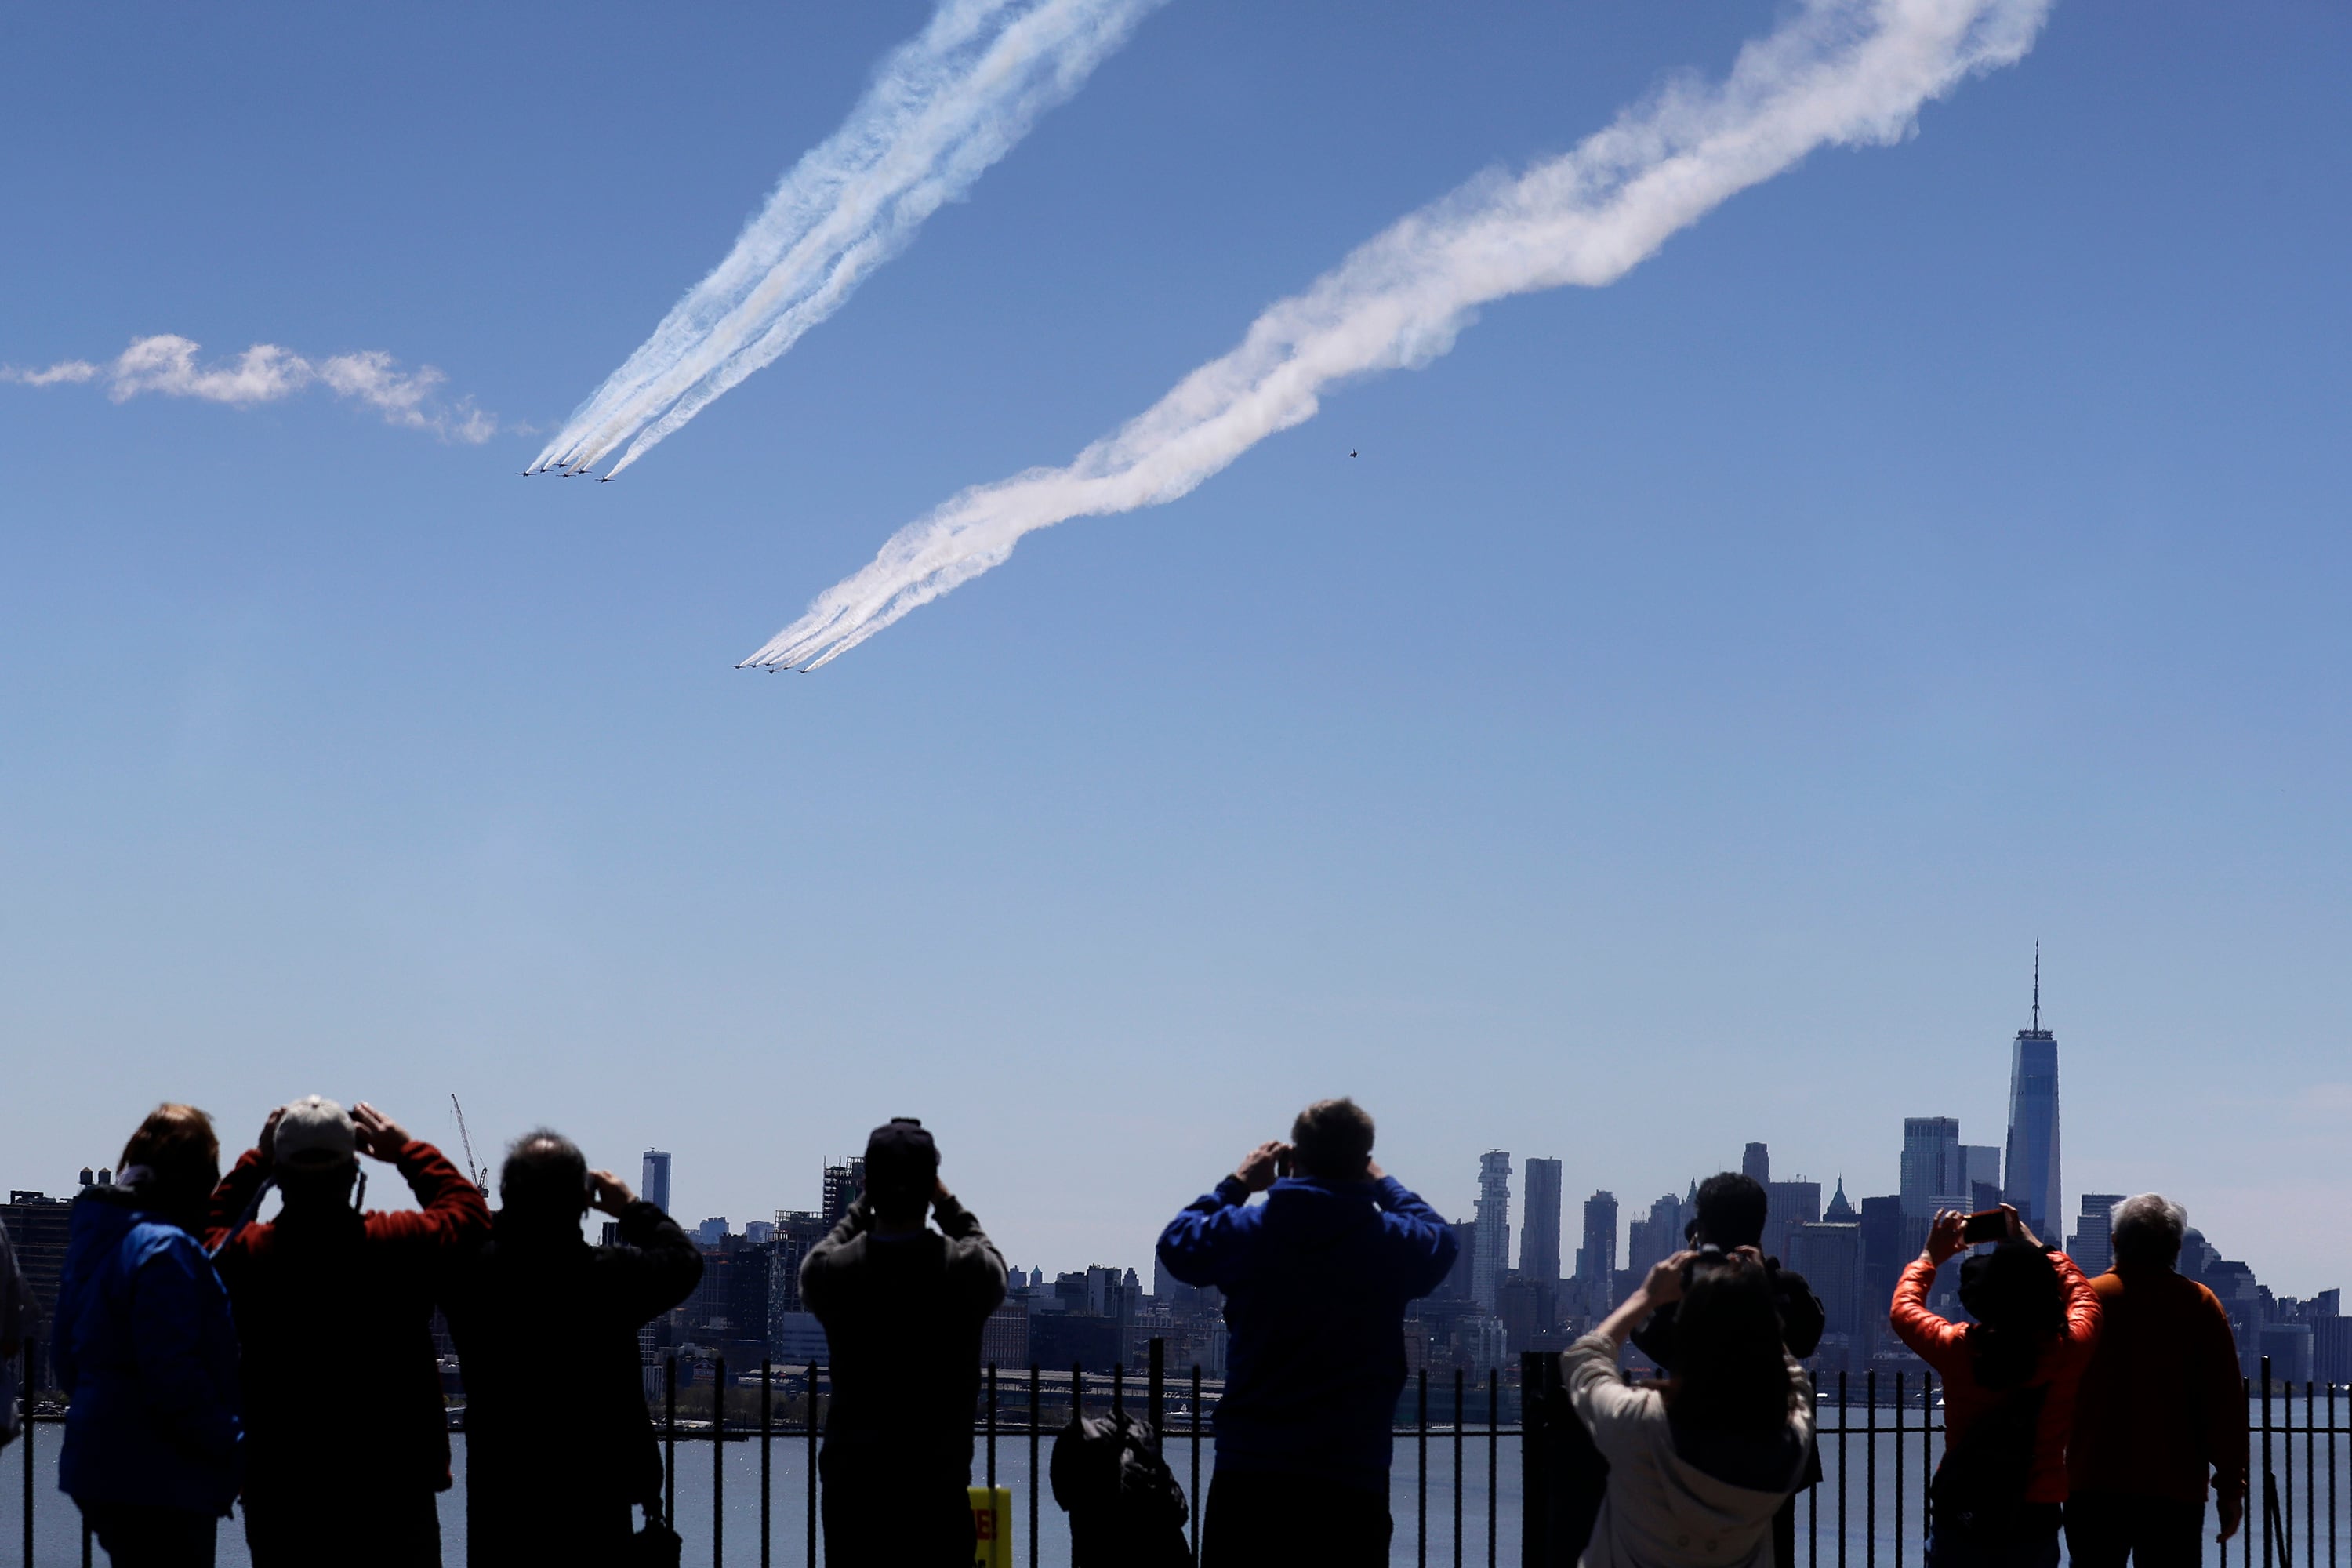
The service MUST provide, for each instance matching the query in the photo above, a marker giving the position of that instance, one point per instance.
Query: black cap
(902, 1164)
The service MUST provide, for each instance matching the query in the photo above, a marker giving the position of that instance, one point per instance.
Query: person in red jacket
(2010, 1379)
(346, 1439)
(2162, 1406)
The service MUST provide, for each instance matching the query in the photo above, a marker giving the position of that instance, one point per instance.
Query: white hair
(2148, 1224)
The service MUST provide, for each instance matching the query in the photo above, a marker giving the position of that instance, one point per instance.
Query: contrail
(1839, 71)
(943, 107)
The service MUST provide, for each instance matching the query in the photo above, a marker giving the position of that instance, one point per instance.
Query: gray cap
(315, 1133)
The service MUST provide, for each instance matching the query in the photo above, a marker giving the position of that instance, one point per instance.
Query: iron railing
(1879, 1439)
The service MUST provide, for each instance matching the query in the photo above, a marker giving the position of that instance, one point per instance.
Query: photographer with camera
(2010, 1380)
(334, 1313)
(1315, 1280)
(1728, 1216)
(902, 1307)
(554, 1465)
(1699, 1468)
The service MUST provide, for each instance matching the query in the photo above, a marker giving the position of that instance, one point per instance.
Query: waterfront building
(2031, 1183)
(36, 1232)
(653, 1184)
(1935, 1171)
(1540, 1232)
(1655, 1237)
(1494, 1237)
(2093, 1246)
(1596, 1260)
(845, 1183)
(1789, 1204)
(1829, 1254)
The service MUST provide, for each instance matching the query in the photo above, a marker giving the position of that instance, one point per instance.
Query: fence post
(767, 1443)
(1843, 1422)
(1870, 1473)
(1458, 1467)
(669, 1441)
(1197, 1499)
(1898, 1470)
(992, 1434)
(1033, 1464)
(1421, 1475)
(1493, 1441)
(1156, 1395)
(814, 1368)
(2269, 1484)
(1535, 1465)
(1927, 1459)
(25, 1399)
(718, 1460)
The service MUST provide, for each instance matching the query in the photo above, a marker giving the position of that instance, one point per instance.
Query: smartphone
(1282, 1164)
(1987, 1224)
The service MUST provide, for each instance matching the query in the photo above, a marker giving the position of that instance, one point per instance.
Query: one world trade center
(2031, 1181)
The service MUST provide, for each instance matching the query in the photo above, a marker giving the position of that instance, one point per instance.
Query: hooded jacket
(147, 1353)
(1315, 1280)
(1661, 1510)
(334, 1312)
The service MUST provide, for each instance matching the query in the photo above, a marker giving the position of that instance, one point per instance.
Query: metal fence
(1879, 1440)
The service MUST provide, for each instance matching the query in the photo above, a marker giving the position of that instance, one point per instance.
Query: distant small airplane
(1351, 454)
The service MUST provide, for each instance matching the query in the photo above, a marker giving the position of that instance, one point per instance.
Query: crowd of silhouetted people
(214, 1358)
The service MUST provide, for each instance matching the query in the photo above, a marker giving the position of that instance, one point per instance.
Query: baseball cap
(315, 1133)
(901, 1162)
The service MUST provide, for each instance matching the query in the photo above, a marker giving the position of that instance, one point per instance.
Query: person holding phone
(2010, 1382)
(554, 1462)
(1315, 1280)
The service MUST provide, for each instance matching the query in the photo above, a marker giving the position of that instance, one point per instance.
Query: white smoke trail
(1842, 71)
(943, 107)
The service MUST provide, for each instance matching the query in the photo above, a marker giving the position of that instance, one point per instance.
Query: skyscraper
(1494, 1240)
(2032, 1184)
(1934, 1173)
(654, 1184)
(1756, 1161)
(1539, 1233)
(845, 1183)
(1596, 1260)
(2093, 1246)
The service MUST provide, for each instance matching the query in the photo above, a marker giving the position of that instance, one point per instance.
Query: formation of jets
(569, 473)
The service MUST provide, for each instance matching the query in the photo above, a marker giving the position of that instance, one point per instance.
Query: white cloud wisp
(1851, 72)
(165, 365)
(944, 106)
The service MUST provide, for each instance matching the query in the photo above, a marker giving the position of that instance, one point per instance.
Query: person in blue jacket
(147, 1353)
(1315, 1280)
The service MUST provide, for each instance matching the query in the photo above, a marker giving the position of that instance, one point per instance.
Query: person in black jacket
(558, 1443)
(1731, 1211)
(902, 1307)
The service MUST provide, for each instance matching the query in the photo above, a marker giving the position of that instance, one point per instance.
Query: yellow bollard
(991, 1527)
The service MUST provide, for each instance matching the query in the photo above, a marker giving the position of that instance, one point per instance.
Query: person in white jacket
(1697, 1465)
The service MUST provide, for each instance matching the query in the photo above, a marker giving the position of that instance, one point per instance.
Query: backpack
(1126, 1508)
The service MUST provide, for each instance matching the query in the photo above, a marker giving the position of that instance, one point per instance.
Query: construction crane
(481, 1172)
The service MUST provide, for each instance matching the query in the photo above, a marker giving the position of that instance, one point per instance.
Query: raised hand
(379, 1135)
(609, 1193)
(1257, 1171)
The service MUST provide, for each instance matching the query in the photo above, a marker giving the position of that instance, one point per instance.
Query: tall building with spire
(1493, 1260)
(2032, 1181)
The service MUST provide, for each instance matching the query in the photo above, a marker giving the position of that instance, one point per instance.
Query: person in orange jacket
(347, 1442)
(2162, 1404)
(2009, 1380)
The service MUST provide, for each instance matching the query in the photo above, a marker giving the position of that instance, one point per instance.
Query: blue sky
(1675, 728)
